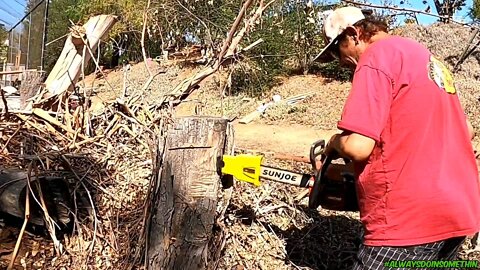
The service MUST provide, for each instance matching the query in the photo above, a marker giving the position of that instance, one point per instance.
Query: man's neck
(378, 36)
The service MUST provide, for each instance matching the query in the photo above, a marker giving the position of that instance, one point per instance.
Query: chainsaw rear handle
(319, 183)
(316, 150)
(320, 179)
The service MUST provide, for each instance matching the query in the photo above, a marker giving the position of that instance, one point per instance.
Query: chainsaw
(331, 187)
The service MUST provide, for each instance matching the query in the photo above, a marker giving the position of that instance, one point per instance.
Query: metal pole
(19, 48)
(44, 39)
(28, 44)
(10, 42)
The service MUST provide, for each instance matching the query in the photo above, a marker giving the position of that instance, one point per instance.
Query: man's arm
(350, 145)
(357, 147)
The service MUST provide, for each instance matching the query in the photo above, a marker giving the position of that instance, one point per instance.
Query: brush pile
(106, 161)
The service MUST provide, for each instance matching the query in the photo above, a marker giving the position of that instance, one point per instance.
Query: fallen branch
(5, 105)
(142, 40)
(467, 51)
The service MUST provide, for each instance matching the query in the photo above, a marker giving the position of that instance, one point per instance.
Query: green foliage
(292, 37)
(474, 10)
(290, 30)
(333, 71)
(3, 48)
(60, 13)
(250, 79)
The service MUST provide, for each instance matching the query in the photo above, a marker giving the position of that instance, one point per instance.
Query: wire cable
(9, 13)
(23, 5)
(11, 8)
(7, 23)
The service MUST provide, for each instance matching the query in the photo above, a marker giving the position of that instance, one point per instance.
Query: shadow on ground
(330, 241)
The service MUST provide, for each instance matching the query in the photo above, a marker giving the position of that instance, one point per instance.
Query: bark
(183, 232)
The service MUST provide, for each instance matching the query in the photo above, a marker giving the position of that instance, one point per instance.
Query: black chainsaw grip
(315, 152)
(314, 199)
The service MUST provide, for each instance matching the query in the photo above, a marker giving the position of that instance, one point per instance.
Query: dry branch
(142, 40)
(20, 235)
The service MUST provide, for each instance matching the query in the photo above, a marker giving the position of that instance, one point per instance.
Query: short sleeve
(367, 108)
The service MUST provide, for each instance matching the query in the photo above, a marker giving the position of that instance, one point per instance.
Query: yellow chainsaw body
(243, 167)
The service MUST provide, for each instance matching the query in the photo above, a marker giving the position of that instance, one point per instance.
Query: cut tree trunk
(75, 55)
(183, 232)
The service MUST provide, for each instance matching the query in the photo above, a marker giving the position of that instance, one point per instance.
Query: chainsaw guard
(315, 196)
(333, 195)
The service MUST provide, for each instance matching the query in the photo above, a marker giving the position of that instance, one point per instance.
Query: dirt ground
(289, 139)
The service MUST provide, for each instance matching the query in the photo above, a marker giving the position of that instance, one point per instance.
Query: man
(409, 139)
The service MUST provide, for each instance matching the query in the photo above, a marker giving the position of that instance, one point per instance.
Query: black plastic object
(316, 149)
(315, 196)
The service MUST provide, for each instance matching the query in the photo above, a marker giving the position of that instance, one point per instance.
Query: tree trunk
(183, 233)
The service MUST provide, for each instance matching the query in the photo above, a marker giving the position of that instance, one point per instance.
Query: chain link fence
(26, 42)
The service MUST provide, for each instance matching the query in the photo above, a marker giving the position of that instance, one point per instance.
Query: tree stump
(183, 233)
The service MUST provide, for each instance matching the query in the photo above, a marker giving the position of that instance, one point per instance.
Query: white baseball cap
(334, 25)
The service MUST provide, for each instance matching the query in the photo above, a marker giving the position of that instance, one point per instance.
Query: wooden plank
(255, 114)
(16, 71)
(250, 117)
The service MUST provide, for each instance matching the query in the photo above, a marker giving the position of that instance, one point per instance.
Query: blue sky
(11, 11)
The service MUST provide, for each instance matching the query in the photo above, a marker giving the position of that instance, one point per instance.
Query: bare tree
(447, 8)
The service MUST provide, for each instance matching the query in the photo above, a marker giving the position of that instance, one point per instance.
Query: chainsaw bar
(287, 177)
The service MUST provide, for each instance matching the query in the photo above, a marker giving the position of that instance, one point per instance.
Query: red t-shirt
(420, 184)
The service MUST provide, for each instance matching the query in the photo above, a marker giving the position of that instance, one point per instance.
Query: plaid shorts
(374, 258)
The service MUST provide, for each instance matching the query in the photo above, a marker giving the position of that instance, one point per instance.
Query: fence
(27, 41)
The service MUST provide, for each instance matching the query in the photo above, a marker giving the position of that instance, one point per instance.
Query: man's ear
(351, 31)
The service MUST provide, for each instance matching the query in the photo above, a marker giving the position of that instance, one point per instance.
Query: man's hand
(332, 145)
(350, 145)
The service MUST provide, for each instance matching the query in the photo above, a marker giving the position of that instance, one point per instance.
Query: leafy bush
(250, 79)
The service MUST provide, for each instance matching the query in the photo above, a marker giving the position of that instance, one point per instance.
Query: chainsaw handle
(316, 150)
(314, 199)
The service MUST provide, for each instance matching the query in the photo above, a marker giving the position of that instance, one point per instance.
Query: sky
(11, 11)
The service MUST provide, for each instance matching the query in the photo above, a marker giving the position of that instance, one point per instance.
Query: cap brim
(325, 55)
